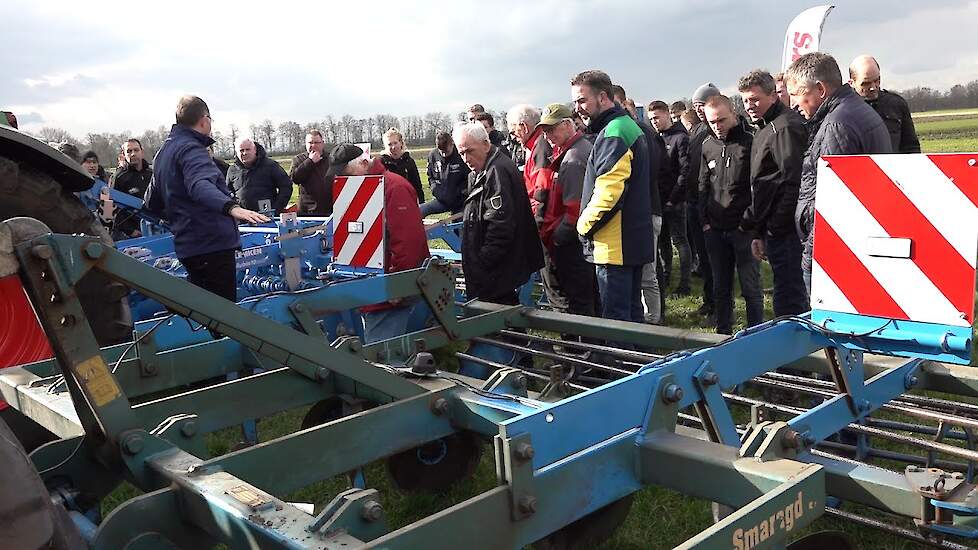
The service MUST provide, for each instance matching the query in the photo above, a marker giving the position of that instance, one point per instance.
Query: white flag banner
(803, 34)
(366, 150)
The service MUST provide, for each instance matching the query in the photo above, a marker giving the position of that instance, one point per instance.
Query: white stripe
(370, 212)
(377, 259)
(350, 188)
(829, 296)
(938, 199)
(899, 277)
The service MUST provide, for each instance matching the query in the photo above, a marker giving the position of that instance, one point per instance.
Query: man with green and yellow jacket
(616, 214)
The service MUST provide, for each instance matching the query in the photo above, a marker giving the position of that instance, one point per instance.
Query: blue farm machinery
(777, 425)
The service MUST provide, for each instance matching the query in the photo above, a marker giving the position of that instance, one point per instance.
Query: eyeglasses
(314, 142)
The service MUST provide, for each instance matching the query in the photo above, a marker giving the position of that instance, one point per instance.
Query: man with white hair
(864, 77)
(500, 244)
(839, 123)
(523, 121)
(254, 178)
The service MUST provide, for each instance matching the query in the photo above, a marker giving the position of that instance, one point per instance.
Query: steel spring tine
(554, 356)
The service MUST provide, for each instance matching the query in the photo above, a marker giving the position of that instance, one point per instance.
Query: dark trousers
(509, 298)
(784, 254)
(214, 271)
(699, 244)
(674, 233)
(729, 250)
(576, 278)
(620, 287)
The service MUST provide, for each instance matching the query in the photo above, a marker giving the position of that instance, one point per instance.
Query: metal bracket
(514, 466)
(146, 349)
(437, 285)
(508, 382)
(357, 511)
(712, 408)
(847, 372)
(772, 440)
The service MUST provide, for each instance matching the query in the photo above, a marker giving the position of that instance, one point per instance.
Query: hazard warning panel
(896, 236)
(358, 221)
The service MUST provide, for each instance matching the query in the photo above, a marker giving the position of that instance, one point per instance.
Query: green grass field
(659, 518)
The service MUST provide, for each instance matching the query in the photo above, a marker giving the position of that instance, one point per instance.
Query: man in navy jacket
(190, 191)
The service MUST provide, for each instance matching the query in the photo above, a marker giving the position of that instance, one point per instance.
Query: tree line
(288, 137)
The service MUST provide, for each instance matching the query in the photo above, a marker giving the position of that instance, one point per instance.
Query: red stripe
(354, 210)
(339, 230)
(940, 262)
(370, 242)
(956, 168)
(858, 285)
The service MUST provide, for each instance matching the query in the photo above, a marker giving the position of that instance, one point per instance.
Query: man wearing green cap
(559, 189)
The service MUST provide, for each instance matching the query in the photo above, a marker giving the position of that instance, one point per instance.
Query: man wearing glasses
(309, 173)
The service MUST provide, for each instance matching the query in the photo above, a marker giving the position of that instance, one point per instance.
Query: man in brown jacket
(309, 173)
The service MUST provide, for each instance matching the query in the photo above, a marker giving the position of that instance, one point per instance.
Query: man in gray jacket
(839, 123)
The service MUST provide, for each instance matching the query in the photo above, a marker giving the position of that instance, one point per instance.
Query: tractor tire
(25, 191)
(28, 517)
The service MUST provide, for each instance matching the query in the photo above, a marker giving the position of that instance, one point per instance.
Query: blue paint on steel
(936, 342)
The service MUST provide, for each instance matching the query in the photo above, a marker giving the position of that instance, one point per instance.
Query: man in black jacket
(500, 244)
(447, 177)
(839, 123)
(254, 178)
(694, 225)
(724, 195)
(673, 192)
(775, 174)
(309, 173)
(864, 77)
(132, 178)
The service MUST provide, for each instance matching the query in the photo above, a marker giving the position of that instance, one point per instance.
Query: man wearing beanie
(697, 136)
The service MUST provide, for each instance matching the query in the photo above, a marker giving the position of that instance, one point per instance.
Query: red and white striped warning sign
(896, 236)
(358, 221)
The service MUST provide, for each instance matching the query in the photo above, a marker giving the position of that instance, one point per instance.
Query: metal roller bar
(617, 352)
(554, 356)
(896, 530)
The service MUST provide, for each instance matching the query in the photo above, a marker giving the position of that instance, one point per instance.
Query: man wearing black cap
(405, 242)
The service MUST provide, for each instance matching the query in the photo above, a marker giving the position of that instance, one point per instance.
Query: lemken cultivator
(579, 413)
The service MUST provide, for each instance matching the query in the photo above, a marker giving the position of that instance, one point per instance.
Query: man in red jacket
(405, 243)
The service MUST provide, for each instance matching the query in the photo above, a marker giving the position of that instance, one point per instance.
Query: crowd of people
(597, 195)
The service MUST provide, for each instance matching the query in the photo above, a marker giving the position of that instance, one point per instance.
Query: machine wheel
(322, 412)
(27, 192)
(28, 518)
(836, 540)
(435, 466)
(589, 531)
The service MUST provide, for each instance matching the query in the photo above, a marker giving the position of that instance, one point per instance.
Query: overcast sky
(97, 66)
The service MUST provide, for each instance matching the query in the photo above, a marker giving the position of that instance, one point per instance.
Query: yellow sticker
(97, 379)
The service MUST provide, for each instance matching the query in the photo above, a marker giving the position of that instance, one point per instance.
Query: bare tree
(50, 134)
(267, 130)
(234, 133)
(291, 136)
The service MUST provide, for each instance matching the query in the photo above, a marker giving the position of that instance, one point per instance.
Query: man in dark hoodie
(447, 177)
(694, 225)
(673, 192)
(254, 178)
(775, 174)
(309, 173)
(724, 195)
(839, 123)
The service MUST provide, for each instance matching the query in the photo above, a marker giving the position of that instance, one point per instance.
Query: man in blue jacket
(190, 190)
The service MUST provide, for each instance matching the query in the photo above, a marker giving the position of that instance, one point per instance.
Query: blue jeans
(434, 206)
(620, 287)
(396, 321)
(728, 250)
(784, 254)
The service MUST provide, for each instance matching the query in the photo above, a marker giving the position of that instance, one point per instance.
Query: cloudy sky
(99, 66)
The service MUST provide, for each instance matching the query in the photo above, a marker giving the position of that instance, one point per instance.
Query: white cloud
(105, 66)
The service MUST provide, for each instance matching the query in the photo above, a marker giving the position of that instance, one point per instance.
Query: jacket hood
(260, 154)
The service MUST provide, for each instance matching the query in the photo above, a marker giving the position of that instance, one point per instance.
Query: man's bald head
(864, 77)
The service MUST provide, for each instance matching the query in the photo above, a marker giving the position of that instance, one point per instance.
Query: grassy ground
(659, 518)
